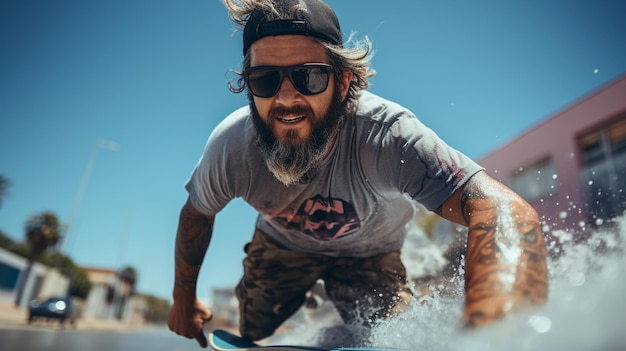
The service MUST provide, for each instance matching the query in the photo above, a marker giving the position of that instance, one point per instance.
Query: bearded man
(334, 172)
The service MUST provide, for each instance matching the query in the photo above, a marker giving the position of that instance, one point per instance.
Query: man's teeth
(291, 119)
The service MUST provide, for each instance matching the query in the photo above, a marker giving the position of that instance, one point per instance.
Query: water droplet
(541, 324)
(577, 278)
(563, 214)
(590, 182)
(554, 176)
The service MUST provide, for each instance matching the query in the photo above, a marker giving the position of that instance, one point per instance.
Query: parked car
(53, 308)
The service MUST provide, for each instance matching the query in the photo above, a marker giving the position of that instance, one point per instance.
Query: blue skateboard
(221, 340)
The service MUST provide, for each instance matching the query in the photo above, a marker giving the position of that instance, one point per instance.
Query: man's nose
(287, 93)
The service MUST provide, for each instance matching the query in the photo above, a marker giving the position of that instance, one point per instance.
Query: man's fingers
(207, 315)
(201, 338)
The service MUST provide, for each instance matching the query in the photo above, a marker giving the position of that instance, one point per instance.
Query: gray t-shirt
(361, 198)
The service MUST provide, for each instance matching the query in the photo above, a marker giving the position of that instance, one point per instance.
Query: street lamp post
(100, 144)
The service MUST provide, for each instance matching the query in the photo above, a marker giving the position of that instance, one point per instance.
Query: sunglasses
(308, 78)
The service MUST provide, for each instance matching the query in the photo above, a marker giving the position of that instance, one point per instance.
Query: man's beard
(292, 160)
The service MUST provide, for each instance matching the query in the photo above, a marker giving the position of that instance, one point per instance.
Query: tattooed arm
(505, 262)
(187, 315)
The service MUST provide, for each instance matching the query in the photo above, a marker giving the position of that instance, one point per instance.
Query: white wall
(53, 283)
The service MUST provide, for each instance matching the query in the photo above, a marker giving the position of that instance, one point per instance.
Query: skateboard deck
(221, 340)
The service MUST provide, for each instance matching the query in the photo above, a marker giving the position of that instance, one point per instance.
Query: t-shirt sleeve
(221, 170)
(208, 186)
(426, 168)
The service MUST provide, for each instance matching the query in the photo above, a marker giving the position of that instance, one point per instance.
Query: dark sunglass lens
(310, 80)
(263, 82)
(307, 79)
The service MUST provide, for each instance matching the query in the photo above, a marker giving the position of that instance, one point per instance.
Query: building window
(535, 181)
(603, 174)
(8, 277)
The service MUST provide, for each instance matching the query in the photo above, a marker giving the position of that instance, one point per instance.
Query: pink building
(571, 167)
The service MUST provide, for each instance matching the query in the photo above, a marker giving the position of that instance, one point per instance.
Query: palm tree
(129, 275)
(4, 186)
(42, 231)
(128, 278)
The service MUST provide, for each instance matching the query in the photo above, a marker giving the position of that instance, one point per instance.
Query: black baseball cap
(319, 21)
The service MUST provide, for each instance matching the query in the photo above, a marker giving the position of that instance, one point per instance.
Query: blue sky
(151, 76)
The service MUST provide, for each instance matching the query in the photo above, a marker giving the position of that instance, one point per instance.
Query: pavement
(16, 316)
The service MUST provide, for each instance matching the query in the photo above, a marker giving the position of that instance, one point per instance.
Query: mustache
(280, 111)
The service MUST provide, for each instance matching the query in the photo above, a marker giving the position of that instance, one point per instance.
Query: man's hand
(188, 320)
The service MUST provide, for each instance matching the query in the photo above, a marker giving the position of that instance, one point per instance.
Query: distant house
(225, 307)
(43, 281)
(572, 166)
(111, 297)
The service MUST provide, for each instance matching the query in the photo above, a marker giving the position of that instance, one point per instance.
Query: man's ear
(346, 78)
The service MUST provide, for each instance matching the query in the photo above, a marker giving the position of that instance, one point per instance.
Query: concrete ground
(14, 316)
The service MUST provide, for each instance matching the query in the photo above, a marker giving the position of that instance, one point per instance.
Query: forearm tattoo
(506, 255)
(192, 240)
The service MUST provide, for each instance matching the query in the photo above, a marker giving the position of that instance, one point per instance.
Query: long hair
(354, 56)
